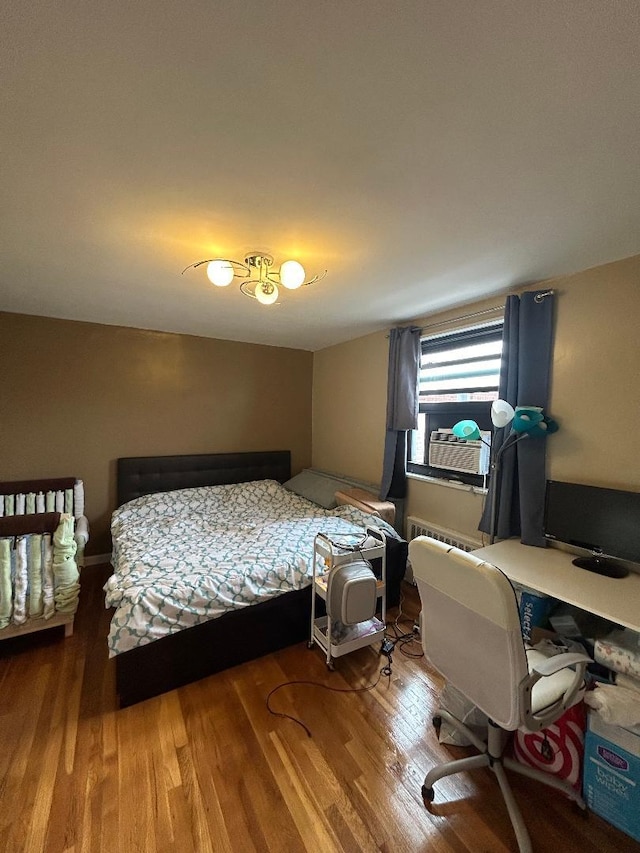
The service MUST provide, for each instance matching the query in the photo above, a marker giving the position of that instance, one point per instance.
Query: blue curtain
(402, 412)
(524, 381)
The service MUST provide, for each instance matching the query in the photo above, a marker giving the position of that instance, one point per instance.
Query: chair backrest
(471, 627)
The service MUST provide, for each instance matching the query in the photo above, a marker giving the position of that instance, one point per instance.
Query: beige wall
(349, 407)
(595, 391)
(76, 396)
(596, 376)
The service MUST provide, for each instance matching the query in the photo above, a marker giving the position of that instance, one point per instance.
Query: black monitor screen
(606, 521)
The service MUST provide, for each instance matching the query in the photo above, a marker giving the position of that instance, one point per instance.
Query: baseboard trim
(97, 559)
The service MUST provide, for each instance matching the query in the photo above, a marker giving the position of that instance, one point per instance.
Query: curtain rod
(463, 317)
(538, 298)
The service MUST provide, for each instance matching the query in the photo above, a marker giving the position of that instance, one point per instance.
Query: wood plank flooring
(208, 768)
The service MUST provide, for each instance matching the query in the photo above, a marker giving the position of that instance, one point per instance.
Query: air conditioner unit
(459, 454)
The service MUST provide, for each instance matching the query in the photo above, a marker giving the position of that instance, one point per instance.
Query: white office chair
(471, 633)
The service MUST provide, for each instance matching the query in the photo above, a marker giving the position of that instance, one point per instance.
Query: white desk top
(551, 571)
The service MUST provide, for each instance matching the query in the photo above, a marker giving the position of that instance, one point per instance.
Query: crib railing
(34, 497)
(43, 532)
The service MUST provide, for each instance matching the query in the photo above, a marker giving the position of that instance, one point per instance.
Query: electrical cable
(347, 546)
(385, 671)
(404, 643)
(404, 638)
(387, 649)
(351, 548)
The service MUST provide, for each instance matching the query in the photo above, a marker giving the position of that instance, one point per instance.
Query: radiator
(420, 527)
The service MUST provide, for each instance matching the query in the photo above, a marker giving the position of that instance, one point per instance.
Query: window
(459, 377)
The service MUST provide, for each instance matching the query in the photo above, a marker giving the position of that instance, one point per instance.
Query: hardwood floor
(208, 768)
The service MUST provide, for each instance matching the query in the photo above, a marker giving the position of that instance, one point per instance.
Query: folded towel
(78, 499)
(47, 577)
(618, 706)
(35, 575)
(39, 502)
(6, 595)
(65, 569)
(19, 504)
(31, 503)
(20, 583)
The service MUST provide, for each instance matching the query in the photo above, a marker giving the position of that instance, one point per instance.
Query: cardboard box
(534, 609)
(611, 782)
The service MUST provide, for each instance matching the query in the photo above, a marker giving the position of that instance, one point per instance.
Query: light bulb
(291, 274)
(220, 273)
(266, 292)
(501, 413)
(467, 429)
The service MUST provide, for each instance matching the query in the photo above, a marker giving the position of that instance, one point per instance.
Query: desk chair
(471, 633)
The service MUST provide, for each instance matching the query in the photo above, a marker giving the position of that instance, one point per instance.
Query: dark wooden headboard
(144, 475)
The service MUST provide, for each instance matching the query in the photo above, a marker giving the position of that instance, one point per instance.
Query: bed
(161, 498)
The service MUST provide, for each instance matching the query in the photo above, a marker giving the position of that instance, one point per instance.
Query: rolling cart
(328, 555)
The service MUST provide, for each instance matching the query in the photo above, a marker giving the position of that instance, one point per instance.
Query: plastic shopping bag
(558, 749)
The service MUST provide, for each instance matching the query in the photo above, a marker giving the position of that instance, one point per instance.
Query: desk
(550, 571)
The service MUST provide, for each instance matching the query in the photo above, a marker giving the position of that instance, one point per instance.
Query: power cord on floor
(405, 640)
(387, 649)
(408, 643)
(326, 687)
(399, 638)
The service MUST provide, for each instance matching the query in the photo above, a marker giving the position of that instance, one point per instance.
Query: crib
(43, 533)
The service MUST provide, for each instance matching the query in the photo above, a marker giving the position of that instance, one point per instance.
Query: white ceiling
(425, 152)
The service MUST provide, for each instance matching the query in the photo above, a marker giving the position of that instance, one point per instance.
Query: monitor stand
(601, 566)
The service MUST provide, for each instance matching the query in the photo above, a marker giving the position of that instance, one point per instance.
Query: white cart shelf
(328, 554)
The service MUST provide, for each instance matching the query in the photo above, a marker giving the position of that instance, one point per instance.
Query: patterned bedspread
(187, 556)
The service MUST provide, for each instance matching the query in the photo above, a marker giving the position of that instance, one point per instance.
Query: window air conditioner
(459, 454)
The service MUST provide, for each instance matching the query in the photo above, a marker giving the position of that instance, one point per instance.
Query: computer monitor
(602, 526)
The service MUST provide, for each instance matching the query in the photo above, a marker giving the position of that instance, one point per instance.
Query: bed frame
(145, 475)
(232, 638)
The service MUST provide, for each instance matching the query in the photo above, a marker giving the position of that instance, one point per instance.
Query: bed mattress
(184, 557)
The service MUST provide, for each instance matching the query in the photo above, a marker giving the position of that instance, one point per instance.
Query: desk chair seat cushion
(548, 690)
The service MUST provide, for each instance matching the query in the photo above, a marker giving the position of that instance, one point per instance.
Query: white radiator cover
(422, 527)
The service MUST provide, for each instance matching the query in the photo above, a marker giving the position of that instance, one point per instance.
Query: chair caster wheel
(309, 645)
(437, 722)
(331, 666)
(427, 795)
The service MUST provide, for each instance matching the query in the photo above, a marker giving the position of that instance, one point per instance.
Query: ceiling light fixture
(258, 280)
